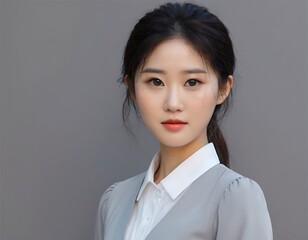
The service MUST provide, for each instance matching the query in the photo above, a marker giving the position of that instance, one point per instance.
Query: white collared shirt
(155, 200)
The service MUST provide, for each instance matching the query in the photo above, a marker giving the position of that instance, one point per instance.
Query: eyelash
(152, 82)
(157, 82)
(195, 81)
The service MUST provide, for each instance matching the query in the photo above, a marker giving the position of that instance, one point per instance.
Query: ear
(129, 87)
(225, 90)
(126, 81)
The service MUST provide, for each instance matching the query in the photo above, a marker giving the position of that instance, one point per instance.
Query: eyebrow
(195, 70)
(156, 70)
(153, 70)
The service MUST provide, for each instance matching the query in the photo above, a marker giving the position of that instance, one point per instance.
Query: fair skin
(176, 93)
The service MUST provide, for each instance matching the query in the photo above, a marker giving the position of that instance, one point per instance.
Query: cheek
(203, 106)
(206, 98)
(145, 102)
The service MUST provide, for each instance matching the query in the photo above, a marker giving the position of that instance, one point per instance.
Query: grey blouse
(219, 205)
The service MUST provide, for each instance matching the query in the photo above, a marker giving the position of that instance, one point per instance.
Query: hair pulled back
(200, 29)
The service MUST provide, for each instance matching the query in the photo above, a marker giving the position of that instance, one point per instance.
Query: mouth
(174, 121)
(174, 124)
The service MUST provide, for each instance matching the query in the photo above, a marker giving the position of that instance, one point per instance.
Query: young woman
(178, 67)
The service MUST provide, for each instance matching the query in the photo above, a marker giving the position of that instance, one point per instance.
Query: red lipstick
(174, 124)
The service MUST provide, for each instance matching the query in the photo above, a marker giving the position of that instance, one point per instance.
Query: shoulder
(119, 189)
(129, 183)
(242, 202)
(239, 186)
(237, 192)
(227, 180)
(220, 187)
(113, 199)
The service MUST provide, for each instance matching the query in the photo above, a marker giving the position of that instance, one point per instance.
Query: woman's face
(176, 94)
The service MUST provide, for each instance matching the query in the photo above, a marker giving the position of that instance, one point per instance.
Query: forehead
(175, 54)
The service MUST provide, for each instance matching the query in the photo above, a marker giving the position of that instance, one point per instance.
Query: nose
(173, 101)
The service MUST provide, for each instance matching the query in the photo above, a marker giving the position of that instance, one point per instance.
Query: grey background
(62, 142)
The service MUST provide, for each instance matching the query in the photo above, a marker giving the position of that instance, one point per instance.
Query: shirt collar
(184, 174)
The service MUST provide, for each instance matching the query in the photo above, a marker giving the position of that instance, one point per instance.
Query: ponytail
(215, 135)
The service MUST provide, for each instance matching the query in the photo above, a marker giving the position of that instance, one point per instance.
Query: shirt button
(148, 218)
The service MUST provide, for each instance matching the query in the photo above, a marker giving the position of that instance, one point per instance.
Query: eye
(156, 82)
(192, 82)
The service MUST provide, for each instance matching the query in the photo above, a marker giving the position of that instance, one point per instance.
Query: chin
(174, 143)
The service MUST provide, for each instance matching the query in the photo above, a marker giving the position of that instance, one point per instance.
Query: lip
(174, 124)
(174, 121)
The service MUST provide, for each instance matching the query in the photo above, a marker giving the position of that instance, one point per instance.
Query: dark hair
(200, 29)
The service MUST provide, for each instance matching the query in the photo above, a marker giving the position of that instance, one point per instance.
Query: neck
(171, 157)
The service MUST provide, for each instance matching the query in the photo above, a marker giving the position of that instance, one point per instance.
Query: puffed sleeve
(101, 213)
(243, 212)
